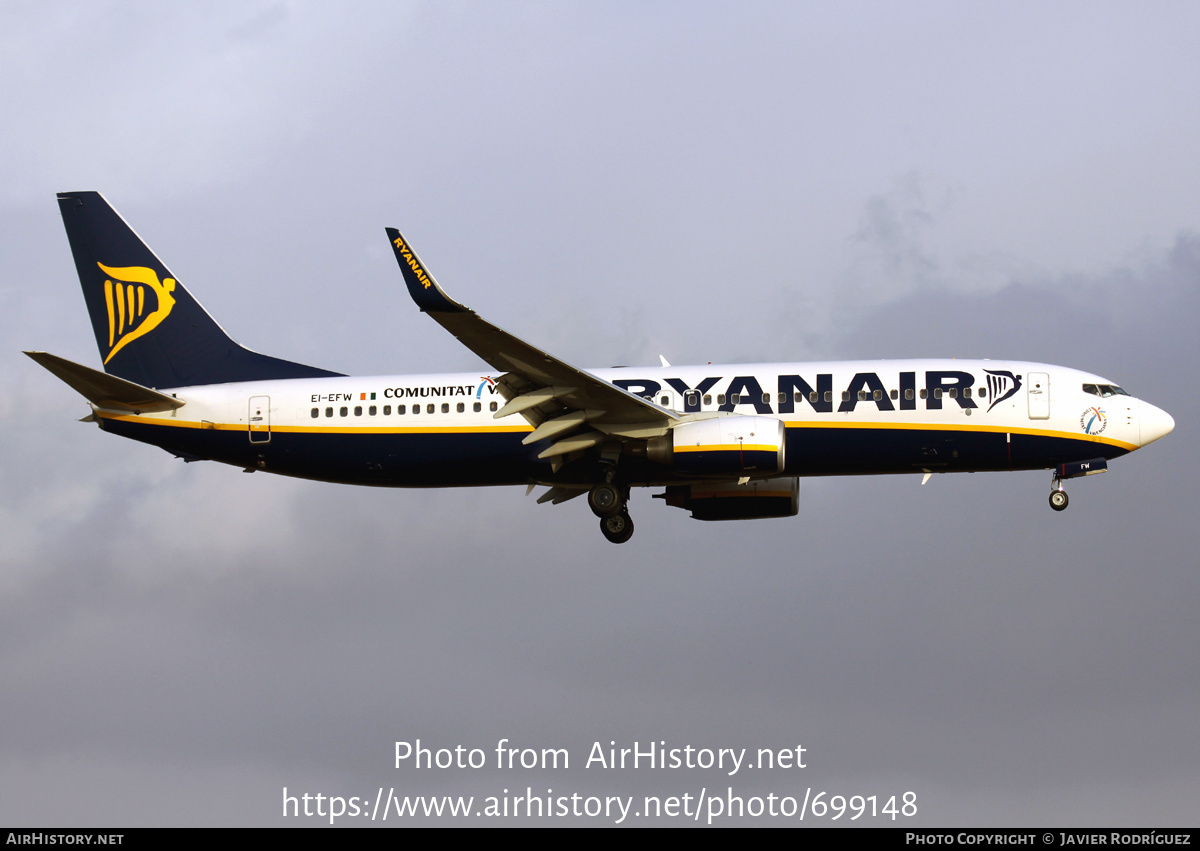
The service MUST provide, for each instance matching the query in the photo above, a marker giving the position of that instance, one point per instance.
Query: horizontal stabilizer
(104, 390)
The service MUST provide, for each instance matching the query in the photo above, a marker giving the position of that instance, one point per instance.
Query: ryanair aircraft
(725, 442)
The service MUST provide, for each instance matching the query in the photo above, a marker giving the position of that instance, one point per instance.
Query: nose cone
(1155, 423)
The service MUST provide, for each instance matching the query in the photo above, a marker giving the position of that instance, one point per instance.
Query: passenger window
(862, 395)
(708, 398)
(664, 401)
(492, 407)
(812, 397)
(720, 398)
(981, 392)
(387, 410)
(767, 398)
(845, 395)
(316, 412)
(895, 395)
(783, 397)
(924, 393)
(828, 395)
(908, 393)
(953, 392)
(461, 407)
(735, 398)
(445, 408)
(372, 410)
(416, 409)
(967, 393)
(477, 407)
(358, 410)
(344, 412)
(329, 412)
(401, 409)
(937, 393)
(878, 395)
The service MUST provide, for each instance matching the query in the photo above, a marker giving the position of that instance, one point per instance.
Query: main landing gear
(609, 501)
(618, 528)
(1058, 496)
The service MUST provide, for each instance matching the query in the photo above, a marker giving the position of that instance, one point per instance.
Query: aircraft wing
(555, 397)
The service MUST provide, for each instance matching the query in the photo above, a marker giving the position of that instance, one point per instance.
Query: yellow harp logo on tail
(130, 313)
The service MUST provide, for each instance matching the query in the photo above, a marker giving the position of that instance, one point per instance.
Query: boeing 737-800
(725, 442)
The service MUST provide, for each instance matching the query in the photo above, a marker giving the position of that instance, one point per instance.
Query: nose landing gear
(1072, 470)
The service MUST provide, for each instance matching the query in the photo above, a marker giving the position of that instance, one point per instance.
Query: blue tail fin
(148, 327)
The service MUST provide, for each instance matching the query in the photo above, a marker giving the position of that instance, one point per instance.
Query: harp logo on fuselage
(137, 303)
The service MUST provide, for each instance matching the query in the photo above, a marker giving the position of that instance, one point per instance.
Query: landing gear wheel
(618, 528)
(605, 500)
(1058, 500)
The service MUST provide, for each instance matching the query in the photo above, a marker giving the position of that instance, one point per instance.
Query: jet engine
(778, 497)
(720, 446)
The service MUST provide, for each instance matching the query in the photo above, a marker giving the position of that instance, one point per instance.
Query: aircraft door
(1038, 390)
(259, 419)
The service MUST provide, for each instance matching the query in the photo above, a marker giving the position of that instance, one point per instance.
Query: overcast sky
(610, 181)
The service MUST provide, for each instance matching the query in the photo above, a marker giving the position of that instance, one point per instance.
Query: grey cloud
(179, 642)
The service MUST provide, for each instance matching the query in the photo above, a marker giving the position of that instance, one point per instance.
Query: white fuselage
(841, 418)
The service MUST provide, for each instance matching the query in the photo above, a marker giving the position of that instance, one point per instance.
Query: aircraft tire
(605, 500)
(618, 528)
(1058, 500)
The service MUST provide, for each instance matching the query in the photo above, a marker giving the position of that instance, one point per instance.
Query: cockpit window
(1104, 390)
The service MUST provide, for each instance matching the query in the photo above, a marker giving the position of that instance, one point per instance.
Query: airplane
(725, 442)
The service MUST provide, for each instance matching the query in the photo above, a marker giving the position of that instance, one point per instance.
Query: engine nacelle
(727, 501)
(720, 446)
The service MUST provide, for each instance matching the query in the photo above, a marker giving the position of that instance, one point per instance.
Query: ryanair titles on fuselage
(864, 387)
(905, 392)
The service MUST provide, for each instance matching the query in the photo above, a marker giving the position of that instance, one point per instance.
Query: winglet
(421, 285)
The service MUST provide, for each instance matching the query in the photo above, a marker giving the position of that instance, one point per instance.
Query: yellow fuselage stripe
(158, 421)
(725, 447)
(506, 429)
(992, 429)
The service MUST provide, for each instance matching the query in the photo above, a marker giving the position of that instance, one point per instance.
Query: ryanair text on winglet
(411, 260)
